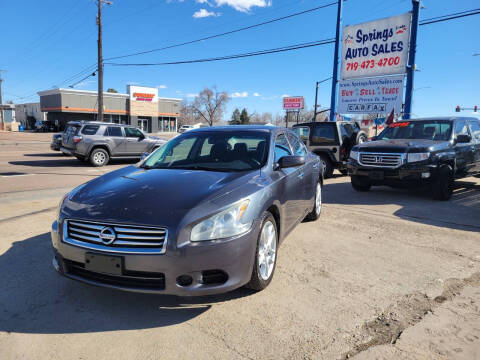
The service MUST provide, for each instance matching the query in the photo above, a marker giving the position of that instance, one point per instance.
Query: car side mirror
(290, 161)
(463, 139)
(145, 155)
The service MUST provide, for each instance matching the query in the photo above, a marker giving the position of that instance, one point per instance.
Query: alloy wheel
(267, 250)
(318, 199)
(99, 158)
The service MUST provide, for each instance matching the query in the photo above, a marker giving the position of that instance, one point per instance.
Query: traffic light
(457, 109)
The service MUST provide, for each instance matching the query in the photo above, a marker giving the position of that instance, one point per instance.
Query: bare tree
(187, 115)
(266, 118)
(210, 105)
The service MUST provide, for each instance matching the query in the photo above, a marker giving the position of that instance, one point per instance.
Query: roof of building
(92, 93)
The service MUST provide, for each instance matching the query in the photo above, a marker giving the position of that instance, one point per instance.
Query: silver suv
(98, 142)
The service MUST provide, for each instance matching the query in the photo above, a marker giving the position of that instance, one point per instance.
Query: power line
(450, 17)
(234, 56)
(85, 78)
(224, 33)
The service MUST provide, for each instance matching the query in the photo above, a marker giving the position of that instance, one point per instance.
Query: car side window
(296, 145)
(90, 129)
(133, 133)
(113, 131)
(281, 147)
(461, 128)
(475, 126)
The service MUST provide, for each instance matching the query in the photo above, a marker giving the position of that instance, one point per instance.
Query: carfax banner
(376, 48)
(371, 96)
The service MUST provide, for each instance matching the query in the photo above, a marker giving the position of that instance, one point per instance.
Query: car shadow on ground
(67, 162)
(57, 154)
(461, 212)
(35, 299)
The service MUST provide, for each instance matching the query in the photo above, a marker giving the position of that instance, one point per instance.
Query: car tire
(99, 157)
(327, 166)
(442, 188)
(317, 204)
(360, 183)
(265, 253)
(361, 138)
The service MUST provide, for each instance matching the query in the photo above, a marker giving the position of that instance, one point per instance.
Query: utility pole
(315, 112)
(100, 58)
(411, 60)
(333, 100)
(1, 102)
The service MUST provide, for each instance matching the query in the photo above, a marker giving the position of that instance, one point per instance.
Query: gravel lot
(386, 274)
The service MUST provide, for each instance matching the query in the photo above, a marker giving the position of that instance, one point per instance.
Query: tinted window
(113, 131)
(90, 129)
(475, 126)
(132, 132)
(71, 130)
(439, 130)
(281, 147)
(461, 128)
(324, 134)
(347, 130)
(303, 132)
(296, 145)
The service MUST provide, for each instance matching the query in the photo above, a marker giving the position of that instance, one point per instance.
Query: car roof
(443, 118)
(253, 128)
(87, 122)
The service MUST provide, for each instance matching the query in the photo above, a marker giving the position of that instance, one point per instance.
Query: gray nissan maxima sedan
(203, 214)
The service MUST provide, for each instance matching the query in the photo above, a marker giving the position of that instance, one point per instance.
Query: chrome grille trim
(384, 160)
(129, 239)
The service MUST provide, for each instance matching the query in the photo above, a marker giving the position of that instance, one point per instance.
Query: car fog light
(184, 280)
(425, 175)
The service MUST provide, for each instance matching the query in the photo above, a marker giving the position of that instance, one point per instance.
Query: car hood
(150, 197)
(402, 145)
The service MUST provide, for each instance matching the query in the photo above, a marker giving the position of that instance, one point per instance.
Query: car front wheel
(443, 185)
(265, 255)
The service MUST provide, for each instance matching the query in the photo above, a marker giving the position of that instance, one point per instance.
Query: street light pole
(315, 109)
(333, 99)
(411, 60)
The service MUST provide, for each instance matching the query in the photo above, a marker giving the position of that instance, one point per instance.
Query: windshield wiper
(204, 168)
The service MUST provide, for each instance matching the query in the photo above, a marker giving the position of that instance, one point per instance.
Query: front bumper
(203, 262)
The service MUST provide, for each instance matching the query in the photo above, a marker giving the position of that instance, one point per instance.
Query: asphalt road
(386, 274)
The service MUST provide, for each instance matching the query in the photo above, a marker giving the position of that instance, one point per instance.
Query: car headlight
(225, 224)
(354, 155)
(62, 203)
(414, 157)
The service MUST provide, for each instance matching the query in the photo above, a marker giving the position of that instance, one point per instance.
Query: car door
(308, 187)
(135, 144)
(291, 183)
(116, 140)
(464, 152)
(475, 130)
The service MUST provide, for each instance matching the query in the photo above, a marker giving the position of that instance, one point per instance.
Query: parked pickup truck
(331, 141)
(424, 152)
(98, 142)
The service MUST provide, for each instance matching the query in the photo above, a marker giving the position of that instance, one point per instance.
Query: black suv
(413, 153)
(331, 141)
(98, 142)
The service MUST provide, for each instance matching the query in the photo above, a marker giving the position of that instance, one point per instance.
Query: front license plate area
(376, 175)
(103, 264)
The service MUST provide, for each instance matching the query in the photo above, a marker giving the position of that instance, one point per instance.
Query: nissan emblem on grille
(107, 235)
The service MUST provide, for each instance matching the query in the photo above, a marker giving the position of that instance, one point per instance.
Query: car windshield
(438, 130)
(212, 151)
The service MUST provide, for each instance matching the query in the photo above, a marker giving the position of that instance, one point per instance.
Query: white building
(28, 114)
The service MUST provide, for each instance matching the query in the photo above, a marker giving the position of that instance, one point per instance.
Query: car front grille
(381, 159)
(117, 238)
(129, 279)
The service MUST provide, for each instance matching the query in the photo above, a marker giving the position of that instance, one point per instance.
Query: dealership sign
(142, 93)
(371, 96)
(376, 48)
(293, 102)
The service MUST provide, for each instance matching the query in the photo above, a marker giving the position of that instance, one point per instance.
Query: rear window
(90, 129)
(71, 130)
(324, 134)
(113, 131)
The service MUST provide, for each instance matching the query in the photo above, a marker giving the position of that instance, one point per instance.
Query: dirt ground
(388, 274)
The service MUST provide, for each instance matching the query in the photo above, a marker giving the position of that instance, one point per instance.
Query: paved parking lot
(385, 274)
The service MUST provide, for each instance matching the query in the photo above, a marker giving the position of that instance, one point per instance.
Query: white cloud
(161, 86)
(285, 95)
(239, 94)
(256, 94)
(191, 95)
(203, 13)
(244, 5)
(203, 2)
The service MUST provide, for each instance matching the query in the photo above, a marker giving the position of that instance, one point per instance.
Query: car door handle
(300, 175)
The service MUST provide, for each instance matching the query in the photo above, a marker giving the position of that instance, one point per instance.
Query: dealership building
(140, 107)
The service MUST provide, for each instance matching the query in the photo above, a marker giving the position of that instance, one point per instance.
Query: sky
(46, 42)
